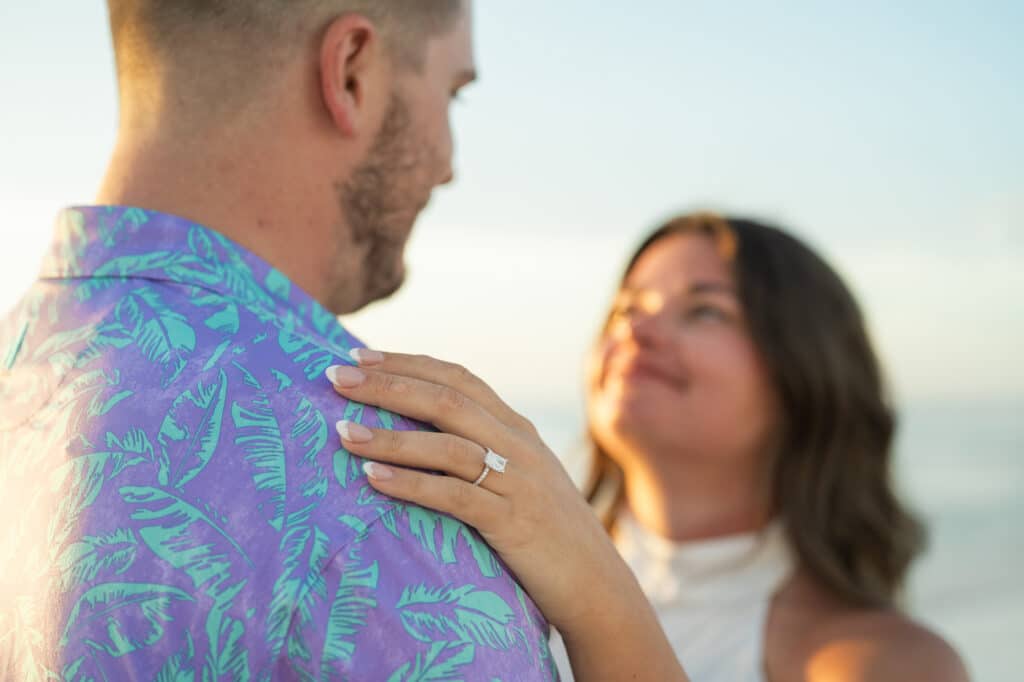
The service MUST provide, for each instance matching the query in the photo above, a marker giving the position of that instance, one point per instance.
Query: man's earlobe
(346, 61)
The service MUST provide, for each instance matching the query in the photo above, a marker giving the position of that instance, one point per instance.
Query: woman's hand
(531, 513)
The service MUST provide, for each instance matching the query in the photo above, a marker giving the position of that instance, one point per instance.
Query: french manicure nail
(365, 356)
(378, 472)
(354, 433)
(345, 377)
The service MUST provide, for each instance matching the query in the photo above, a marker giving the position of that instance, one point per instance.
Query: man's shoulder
(151, 339)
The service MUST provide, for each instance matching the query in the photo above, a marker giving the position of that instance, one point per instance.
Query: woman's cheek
(596, 366)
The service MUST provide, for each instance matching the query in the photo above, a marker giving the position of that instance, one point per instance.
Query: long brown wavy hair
(830, 483)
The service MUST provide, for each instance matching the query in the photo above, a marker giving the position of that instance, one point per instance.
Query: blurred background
(889, 135)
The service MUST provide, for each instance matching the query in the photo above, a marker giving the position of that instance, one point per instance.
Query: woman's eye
(706, 312)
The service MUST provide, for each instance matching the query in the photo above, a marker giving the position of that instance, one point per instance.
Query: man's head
(348, 98)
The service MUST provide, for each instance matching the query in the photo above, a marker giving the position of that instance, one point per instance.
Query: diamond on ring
(492, 462)
(495, 461)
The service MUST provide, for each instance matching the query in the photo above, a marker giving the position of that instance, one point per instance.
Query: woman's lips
(647, 371)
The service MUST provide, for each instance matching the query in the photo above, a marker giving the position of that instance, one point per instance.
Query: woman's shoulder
(877, 646)
(814, 638)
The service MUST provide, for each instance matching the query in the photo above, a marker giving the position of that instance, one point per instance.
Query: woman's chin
(634, 420)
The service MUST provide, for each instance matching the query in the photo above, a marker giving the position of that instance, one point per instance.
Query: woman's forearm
(620, 639)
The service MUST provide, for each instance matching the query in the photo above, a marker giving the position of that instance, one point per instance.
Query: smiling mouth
(645, 372)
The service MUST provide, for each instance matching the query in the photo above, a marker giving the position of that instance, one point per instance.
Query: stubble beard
(379, 207)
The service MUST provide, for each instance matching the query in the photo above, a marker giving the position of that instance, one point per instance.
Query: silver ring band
(482, 476)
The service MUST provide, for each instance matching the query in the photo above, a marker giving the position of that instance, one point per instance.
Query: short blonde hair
(190, 34)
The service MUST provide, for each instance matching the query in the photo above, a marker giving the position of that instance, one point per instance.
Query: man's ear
(351, 61)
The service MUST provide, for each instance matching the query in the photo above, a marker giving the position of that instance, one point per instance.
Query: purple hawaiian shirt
(177, 506)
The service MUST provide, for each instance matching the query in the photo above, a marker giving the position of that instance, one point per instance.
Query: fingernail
(367, 357)
(378, 472)
(345, 377)
(354, 433)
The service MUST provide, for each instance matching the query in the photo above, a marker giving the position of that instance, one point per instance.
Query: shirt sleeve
(416, 596)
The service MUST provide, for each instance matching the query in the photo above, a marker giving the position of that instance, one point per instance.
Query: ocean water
(960, 465)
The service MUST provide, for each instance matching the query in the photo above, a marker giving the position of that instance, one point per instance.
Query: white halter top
(712, 597)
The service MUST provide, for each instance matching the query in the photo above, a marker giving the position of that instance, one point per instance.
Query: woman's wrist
(618, 636)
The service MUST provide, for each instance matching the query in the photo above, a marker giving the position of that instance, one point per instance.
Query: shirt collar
(95, 243)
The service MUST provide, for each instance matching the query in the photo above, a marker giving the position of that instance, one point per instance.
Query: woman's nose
(646, 328)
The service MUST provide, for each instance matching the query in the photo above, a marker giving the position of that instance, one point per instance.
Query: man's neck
(251, 194)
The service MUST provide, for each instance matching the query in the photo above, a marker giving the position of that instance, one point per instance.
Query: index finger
(448, 374)
(444, 407)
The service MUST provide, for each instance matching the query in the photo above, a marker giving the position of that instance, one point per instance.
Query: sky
(888, 135)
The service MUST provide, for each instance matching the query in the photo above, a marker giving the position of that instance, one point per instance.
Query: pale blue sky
(890, 137)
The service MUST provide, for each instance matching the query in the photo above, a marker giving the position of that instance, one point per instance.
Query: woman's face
(676, 373)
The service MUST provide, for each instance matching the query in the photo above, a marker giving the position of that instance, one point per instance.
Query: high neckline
(723, 569)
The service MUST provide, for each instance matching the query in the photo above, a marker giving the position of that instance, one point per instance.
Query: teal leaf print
(386, 418)
(217, 354)
(85, 477)
(311, 432)
(70, 671)
(348, 468)
(130, 219)
(107, 608)
(301, 583)
(387, 508)
(259, 437)
(444, 662)
(283, 380)
(83, 561)
(117, 269)
(314, 359)
(543, 634)
(190, 432)
(356, 524)
(326, 323)
(348, 610)
(101, 409)
(280, 476)
(424, 523)
(228, 657)
(12, 352)
(226, 319)
(184, 537)
(134, 442)
(68, 342)
(63, 407)
(482, 553)
(164, 335)
(80, 347)
(126, 266)
(201, 245)
(178, 667)
(278, 285)
(464, 614)
(222, 264)
(71, 247)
